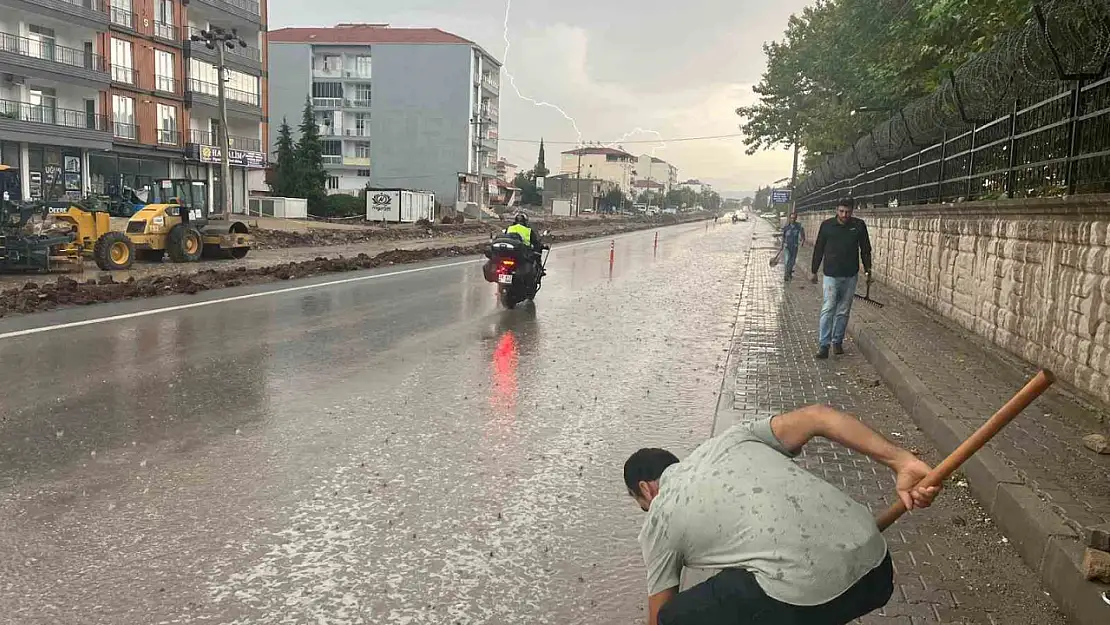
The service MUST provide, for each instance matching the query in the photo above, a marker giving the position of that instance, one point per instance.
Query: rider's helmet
(521, 219)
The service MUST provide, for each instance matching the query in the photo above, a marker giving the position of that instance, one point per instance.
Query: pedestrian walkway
(953, 565)
(972, 379)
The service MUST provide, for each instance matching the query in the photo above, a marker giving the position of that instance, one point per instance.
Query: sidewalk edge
(1048, 546)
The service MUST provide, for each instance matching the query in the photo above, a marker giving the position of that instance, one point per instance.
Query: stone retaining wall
(1032, 276)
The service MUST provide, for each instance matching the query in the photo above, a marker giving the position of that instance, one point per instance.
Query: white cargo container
(400, 205)
(560, 208)
(283, 207)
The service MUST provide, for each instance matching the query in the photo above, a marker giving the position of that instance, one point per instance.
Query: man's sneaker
(823, 353)
(838, 349)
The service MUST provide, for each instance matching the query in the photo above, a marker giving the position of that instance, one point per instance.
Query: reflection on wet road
(391, 451)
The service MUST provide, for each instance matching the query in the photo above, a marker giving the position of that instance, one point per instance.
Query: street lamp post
(215, 38)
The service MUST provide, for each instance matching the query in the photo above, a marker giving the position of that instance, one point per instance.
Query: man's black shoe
(838, 349)
(823, 353)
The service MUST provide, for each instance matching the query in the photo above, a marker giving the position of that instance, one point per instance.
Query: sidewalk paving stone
(953, 565)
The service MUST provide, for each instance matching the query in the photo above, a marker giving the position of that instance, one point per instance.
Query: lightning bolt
(512, 80)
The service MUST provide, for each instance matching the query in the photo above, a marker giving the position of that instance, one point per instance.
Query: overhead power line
(654, 141)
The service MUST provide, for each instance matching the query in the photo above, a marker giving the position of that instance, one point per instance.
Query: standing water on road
(392, 451)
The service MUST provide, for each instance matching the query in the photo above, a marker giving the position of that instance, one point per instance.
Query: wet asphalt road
(390, 450)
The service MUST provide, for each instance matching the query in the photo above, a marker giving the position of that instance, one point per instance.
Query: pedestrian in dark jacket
(842, 243)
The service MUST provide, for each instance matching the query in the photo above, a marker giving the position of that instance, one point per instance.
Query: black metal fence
(1056, 146)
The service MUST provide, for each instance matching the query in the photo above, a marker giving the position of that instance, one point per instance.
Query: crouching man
(789, 547)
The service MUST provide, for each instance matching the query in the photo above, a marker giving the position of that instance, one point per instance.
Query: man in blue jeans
(842, 242)
(793, 236)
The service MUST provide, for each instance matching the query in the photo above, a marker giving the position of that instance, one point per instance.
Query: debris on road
(281, 239)
(1096, 565)
(1097, 443)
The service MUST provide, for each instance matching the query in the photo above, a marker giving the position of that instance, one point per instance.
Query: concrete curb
(1048, 546)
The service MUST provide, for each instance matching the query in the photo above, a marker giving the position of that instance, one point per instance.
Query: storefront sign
(239, 158)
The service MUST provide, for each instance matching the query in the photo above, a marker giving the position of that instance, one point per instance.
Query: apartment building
(96, 95)
(653, 169)
(413, 108)
(601, 163)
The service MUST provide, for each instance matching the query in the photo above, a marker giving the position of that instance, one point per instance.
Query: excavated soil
(32, 296)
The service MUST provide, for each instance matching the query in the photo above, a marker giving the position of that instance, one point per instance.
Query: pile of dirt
(34, 297)
(282, 239)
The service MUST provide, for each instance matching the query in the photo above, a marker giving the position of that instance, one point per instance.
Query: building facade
(696, 186)
(96, 96)
(650, 168)
(601, 163)
(413, 108)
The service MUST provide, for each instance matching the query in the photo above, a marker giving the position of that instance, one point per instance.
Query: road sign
(780, 196)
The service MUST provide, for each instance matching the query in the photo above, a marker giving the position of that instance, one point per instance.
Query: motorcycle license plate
(505, 278)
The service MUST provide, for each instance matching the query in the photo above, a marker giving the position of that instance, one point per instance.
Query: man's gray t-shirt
(739, 501)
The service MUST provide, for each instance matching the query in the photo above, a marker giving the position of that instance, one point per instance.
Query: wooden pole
(1032, 390)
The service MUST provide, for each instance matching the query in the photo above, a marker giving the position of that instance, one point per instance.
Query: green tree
(839, 55)
(529, 194)
(310, 160)
(286, 180)
(613, 200)
(540, 170)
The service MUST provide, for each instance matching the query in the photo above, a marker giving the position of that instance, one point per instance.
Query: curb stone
(1048, 546)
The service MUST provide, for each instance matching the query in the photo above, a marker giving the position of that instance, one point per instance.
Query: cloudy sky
(621, 69)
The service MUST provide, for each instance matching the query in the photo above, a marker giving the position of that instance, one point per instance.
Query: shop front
(203, 162)
(47, 172)
(111, 173)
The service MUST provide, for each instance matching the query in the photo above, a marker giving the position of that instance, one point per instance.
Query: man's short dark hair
(646, 465)
(848, 203)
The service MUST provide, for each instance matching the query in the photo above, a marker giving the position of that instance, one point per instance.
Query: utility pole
(578, 202)
(478, 160)
(215, 39)
(794, 177)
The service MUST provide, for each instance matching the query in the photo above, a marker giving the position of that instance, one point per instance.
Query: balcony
(35, 58)
(124, 131)
(246, 10)
(490, 115)
(169, 137)
(201, 93)
(357, 103)
(356, 133)
(489, 84)
(356, 161)
(247, 60)
(332, 159)
(167, 32)
(327, 103)
(125, 75)
(20, 121)
(247, 144)
(167, 84)
(85, 13)
(121, 17)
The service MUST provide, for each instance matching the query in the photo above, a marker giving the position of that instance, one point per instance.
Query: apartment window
(44, 105)
(163, 71)
(121, 13)
(203, 78)
(123, 117)
(163, 20)
(362, 125)
(327, 90)
(167, 124)
(122, 62)
(362, 66)
(40, 42)
(242, 87)
(362, 94)
(362, 150)
(332, 64)
(333, 182)
(363, 173)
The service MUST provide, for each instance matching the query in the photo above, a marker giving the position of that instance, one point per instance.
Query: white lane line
(293, 289)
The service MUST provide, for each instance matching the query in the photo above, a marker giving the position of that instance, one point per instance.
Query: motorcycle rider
(521, 228)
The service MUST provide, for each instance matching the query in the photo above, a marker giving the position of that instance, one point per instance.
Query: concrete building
(650, 168)
(425, 118)
(506, 171)
(588, 191)
(95, 96)
(600, 163)
(696, 186)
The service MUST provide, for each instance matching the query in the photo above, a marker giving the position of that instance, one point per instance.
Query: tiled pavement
(953, 566)
(973, 379)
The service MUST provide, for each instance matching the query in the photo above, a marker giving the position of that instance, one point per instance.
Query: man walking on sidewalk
(790, 547)
(793, 236)
(842, 242)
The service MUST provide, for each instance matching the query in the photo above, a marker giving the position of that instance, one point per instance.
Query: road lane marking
(293, 289)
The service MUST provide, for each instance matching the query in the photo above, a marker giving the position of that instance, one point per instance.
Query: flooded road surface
(390, 449)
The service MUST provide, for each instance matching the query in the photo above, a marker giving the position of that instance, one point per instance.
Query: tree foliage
(286, 181)
(838, 55)
(310, 160)
(529, 194)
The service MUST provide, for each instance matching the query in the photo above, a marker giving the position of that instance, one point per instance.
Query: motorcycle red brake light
(508, 262)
